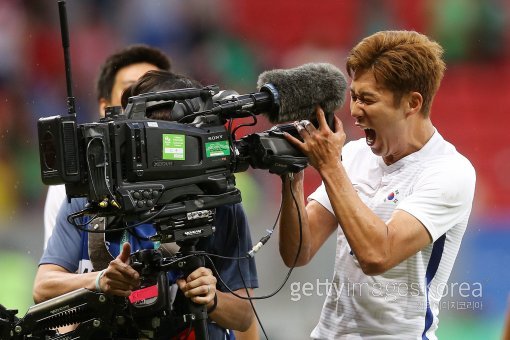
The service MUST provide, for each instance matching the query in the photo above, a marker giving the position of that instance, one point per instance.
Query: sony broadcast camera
(130, 165)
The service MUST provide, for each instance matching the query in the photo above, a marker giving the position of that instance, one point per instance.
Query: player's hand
(321, 145)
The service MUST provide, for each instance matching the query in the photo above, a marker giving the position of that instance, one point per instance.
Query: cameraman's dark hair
(132, 54)
(158, 80)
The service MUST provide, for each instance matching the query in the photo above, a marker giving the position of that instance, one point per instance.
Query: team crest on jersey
(392, 197)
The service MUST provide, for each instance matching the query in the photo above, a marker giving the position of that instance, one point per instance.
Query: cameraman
(399, 199)
(70, 251)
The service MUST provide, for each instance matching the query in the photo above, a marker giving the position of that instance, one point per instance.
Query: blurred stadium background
(230, 42)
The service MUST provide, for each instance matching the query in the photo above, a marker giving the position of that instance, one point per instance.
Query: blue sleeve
(65, 244)
(232, 238)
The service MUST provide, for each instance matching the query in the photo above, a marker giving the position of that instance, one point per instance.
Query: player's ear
(413, 103)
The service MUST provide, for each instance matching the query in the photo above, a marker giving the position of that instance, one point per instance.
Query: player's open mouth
(370, 136)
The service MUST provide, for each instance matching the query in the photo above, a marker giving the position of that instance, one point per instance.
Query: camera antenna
(71, 107)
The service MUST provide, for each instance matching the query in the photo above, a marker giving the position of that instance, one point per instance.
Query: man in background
(120, 70)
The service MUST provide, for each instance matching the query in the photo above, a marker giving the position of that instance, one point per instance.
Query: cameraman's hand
(120, 278)
(199, 286)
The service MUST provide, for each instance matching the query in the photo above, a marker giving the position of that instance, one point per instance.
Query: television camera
(130, 165)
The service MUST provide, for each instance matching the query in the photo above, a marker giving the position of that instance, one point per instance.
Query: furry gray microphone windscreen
(302, 88)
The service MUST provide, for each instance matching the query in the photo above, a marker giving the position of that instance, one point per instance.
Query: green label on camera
(174, 147)
(219, 148)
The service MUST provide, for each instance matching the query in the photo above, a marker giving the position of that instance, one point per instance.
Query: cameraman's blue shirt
(68, 247)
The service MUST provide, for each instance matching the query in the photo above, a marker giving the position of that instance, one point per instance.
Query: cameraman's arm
(52, 280)
(230, 312)
(315, 221)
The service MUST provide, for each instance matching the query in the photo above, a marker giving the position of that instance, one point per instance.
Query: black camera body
(139, 163)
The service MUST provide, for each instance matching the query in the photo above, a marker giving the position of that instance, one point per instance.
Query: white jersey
(435, 185)
(56, 195)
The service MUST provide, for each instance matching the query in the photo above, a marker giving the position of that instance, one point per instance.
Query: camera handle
(197, 312)
(151, 261)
